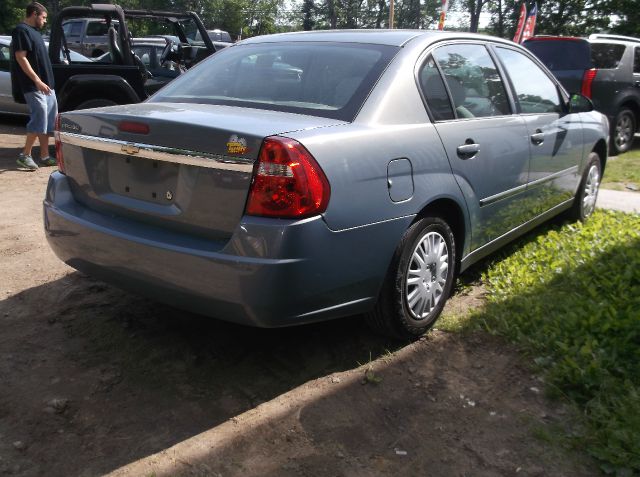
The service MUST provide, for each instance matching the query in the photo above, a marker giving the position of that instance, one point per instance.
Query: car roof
(380, 37)
(153, 39)
(556, 38)
(607, 38)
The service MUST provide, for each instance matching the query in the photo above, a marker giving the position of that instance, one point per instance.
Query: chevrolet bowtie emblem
(130, 149)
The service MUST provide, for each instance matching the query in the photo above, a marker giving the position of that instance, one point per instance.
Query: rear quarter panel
(595, 130)
(356, 158)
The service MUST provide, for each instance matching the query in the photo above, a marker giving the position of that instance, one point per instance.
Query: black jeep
(121, 77)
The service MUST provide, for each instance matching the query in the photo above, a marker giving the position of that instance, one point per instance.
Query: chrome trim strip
(537, 182)
(159, 153)
(520, 188)
(502, 195)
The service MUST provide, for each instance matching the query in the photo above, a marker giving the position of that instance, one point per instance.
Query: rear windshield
(561, 54)
(219, 36)
(606, 55)
(322, 79)
(97, 28)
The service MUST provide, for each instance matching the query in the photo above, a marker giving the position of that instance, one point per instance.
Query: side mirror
(579, 103)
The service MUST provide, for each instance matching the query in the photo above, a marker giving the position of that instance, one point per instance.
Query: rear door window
(606, 55)
(4, 58)
(472, 81)
(435, 92)
(535, 91)
(636, 60)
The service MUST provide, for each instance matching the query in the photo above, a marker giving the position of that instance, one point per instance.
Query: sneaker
(27, 162)
(48, 161)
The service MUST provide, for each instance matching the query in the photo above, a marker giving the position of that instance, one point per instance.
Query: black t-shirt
(26, 38)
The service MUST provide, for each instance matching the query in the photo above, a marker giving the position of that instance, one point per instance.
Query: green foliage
(11, 13)
(556, 17)
(622, 170)
(629, 13)
(249, 17)
(570, 297)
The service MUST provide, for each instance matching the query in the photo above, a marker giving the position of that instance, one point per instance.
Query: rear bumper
(269, 273)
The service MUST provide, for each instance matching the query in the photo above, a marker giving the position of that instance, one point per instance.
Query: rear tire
(95, 103)
(623, 130)
(418, 282)
(587, 195)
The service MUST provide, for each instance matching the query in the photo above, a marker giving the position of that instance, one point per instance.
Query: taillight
(287, 181)
(59, 156)
(587, 81)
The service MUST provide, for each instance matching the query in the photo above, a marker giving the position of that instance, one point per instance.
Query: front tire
(623, 131)
(418, 282)
(585, 202)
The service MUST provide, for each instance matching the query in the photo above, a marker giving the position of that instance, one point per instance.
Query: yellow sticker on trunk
(236, 145)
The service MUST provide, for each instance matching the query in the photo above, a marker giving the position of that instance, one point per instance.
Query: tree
(11, 13)
(474, 7)
(308, 10)
(555, 17)
(629, 17)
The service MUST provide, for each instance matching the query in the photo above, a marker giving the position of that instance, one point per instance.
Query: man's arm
(21, 59)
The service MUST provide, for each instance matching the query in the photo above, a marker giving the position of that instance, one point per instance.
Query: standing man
(34, 76)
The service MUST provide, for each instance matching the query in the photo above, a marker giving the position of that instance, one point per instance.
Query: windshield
(321, 79)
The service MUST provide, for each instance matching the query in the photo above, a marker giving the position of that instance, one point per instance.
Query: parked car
(300, 177)
(220, 38)
(88, 36)
(605, 68)
(7, 104)
(219, 35)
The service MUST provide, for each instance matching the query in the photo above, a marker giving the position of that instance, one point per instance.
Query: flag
(530, 25)
(443, 13)
(521, 20)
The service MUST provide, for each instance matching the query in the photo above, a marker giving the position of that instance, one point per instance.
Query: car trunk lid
(181, 167)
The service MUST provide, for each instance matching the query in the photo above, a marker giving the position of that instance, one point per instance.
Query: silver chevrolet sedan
(307, 176)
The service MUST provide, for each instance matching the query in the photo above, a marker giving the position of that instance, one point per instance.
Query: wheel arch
(632, 104)
(82, 87)
(600, 148)
(449, 210)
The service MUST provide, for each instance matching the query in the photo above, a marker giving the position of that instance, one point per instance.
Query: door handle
(637, 84)
(537, 138)
(468, 150)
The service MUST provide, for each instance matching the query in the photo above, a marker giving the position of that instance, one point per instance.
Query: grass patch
(569, 296)
(622, 170)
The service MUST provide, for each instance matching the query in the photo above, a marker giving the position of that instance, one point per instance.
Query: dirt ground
(94, 381)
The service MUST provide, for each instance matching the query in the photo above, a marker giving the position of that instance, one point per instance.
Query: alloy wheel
(591, 186)
(624, 131)
(426, 275)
